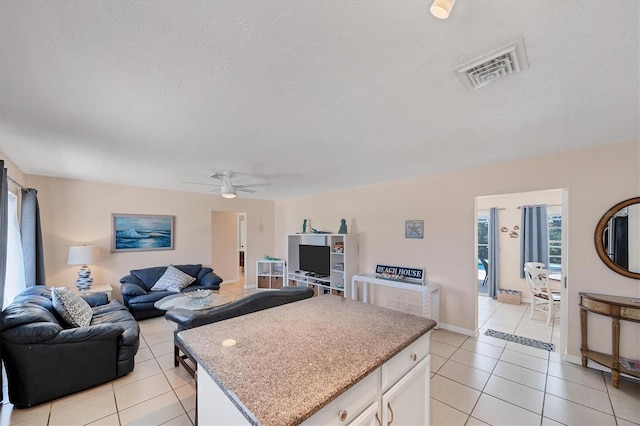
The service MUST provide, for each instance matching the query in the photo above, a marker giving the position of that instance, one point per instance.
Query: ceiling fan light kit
(228, 191)
(227, 188)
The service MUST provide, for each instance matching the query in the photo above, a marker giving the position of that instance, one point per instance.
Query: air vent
(495, 66)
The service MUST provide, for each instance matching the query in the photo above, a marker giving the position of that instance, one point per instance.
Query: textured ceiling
(310, 96)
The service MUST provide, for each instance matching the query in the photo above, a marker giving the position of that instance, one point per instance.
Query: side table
(99, 288)
(618, 308)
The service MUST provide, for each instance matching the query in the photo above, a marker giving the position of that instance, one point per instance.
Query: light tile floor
(484, 380)
(474, 382)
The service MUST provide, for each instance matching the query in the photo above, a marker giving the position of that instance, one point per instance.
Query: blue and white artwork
(142, 232)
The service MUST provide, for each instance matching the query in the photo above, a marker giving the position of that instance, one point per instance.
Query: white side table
(97, 288)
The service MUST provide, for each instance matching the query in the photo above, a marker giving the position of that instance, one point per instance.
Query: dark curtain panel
(494, 232)
(31, 234)
(4, 226)
(534, 241)
(621, 241)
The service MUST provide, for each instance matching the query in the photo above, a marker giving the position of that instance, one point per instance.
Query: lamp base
(84, 280)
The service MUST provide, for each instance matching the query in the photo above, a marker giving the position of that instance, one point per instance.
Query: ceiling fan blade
(245, 190)
(251, 185)
(200, 183)
(222, 175)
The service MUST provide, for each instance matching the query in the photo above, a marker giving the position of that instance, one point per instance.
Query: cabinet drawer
(263, 282)
(276, 282)
(594, 305)
(350, 404)
(410, 356)
(367, 417)
(630, 313)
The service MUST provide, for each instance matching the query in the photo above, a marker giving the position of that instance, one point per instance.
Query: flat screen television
(315, 259)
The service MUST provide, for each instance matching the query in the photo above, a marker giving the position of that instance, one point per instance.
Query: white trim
(459, 330)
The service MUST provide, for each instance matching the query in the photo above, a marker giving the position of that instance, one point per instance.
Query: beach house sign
(400, 273)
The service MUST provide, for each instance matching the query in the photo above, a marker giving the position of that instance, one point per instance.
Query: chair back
(485, 265)
(537, 280)
(534, 265)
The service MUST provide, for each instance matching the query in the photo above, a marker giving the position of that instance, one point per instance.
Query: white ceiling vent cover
(496, 65)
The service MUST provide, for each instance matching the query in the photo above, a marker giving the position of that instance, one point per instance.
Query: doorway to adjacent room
(507, 216)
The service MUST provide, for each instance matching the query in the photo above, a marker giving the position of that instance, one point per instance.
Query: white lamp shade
(441, 8)
(83, 255)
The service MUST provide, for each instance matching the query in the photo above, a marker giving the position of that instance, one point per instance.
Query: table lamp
(83, 255)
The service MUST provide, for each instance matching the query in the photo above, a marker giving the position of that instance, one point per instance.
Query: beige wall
(79, 212)
(596, 179)
(508, 247)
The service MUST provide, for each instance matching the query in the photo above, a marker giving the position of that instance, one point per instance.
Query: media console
(341, 263)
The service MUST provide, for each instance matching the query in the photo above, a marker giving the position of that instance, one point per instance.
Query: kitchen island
(324, 360)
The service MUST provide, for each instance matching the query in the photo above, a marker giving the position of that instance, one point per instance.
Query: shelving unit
(270, 274)
(343, 262)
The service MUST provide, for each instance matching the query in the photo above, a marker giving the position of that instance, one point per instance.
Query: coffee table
(180, 301)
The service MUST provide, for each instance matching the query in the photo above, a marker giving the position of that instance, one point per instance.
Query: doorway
(511, 318)
(229, 246)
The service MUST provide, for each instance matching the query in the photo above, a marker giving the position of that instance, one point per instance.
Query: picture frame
(141, 232)
(414, 228)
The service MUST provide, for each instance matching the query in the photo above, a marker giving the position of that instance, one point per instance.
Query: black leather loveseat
(265, 299)
(138, 296)
(46, 358)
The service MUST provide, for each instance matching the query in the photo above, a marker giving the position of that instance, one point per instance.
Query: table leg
(615, 367)
(583, 328)
(365, 292)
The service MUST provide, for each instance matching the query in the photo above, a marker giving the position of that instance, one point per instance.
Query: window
(483, 240)
(555, 241)
(14, 280)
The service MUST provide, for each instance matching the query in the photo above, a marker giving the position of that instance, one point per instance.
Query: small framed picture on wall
(414, 228)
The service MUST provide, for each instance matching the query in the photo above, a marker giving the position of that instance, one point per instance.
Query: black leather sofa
(264, 299)
(137, 294)
(45, 358)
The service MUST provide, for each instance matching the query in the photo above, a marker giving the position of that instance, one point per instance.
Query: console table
(429, 293)
(618, 308)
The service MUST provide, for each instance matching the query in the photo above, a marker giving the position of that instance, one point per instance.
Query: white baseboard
(459, 330)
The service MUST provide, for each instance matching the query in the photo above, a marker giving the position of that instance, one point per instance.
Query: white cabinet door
(407, 402)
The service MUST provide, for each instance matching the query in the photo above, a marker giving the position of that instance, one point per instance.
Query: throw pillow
(173, 280)
(71, 307)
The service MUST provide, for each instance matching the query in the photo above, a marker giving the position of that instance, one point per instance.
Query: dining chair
(534, 265)
(485, 265)
(543, 297)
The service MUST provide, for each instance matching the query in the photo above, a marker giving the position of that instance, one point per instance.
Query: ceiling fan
(227, 188)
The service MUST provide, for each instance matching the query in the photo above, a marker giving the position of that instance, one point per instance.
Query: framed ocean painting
(140, 232)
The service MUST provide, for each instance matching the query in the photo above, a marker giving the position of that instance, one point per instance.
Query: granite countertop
(291, 360)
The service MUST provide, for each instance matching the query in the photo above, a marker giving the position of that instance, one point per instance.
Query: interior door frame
(562, 342)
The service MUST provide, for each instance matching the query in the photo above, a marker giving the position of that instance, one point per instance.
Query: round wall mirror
(617, 238)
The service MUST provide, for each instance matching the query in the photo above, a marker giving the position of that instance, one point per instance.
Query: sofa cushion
(149, 276)
(71, 307)
(173, 280)
(209, 279)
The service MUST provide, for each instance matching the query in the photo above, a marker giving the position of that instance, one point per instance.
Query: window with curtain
(14, 280)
